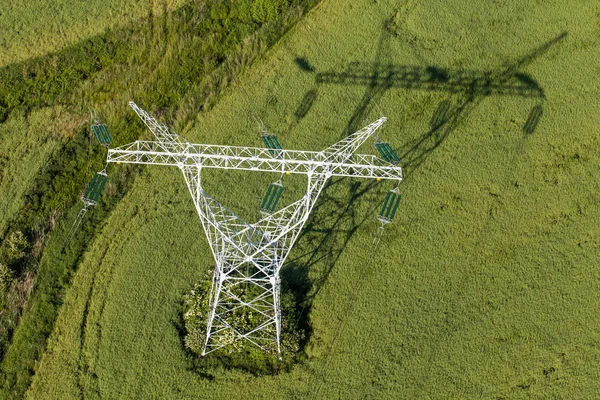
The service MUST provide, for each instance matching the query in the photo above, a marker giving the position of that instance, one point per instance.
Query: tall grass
(23, 152)
(154, 61)
(36, 28)
(486, 285)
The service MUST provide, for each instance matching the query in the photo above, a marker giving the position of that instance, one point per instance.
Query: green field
(486, 285)
(23, 152)
(37, 27)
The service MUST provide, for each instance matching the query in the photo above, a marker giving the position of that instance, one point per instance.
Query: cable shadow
(440, 114)
(414, 153)
(376, 84)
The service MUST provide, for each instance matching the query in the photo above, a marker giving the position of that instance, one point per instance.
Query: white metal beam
(244, 253)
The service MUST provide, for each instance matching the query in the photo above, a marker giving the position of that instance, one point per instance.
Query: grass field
(44, 100)
(486, 285)
(35, 28)
(23, 152)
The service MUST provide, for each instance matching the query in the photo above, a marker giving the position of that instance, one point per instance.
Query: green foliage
(267, 10)
(50, 80)
(196, 306)
(23, 153)
(239, 354)
(194, 56)
(14, 247)
(6, 277)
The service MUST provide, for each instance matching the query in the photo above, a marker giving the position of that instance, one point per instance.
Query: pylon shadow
(414, 152)
(469, 86)
(433, 78)
(304, 65)
(440, 115)
(334, 221)
(533, 120)
(466, 88)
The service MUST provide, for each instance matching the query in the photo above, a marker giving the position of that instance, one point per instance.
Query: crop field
(485, 286)
(35, 28)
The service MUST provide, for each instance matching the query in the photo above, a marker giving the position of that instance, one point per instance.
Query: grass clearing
(485, 286)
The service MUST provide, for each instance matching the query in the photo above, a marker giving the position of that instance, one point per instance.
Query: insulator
(94, 189)
(387, 152)
(390, 206)
(272, 197)
(272, 143)
(102, 135)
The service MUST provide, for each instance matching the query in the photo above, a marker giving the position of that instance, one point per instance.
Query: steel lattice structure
(251, 254)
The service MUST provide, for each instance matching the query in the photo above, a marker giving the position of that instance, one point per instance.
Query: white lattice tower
(249, 256)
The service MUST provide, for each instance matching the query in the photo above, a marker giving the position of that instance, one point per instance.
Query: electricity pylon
(249, 256)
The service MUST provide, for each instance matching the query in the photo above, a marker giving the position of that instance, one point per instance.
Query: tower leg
(244, 306)
(214, 300)
(277, 309)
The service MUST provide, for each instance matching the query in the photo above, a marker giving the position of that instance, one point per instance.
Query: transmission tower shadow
(336, 219)
(333, 223)
(466, 89)
(433, 78)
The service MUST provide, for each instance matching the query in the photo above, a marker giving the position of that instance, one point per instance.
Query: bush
(195, 316)
(241, 354)
(15, 246)
(267, 10)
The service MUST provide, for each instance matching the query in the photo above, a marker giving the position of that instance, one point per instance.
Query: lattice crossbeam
(248, 256)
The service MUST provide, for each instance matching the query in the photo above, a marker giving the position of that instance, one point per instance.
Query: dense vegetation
(38, 27)
(47, 154)
(486, 285)
(242, 354)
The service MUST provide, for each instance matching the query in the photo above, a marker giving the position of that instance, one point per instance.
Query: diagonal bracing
(244, 297)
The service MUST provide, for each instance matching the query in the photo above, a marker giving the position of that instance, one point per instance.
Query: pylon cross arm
(248, 257)
(255, 159)
(345, 148)
(162, 132)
